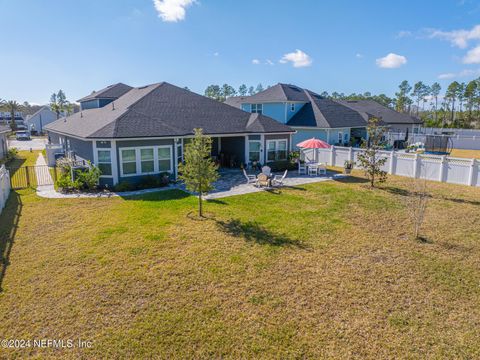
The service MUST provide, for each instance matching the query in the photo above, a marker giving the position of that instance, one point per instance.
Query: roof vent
(113, 105)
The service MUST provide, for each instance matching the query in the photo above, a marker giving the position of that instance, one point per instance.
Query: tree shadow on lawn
(350, 179)
(253, 232)
(8, 224)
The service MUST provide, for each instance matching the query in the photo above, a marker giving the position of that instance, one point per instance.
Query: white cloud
(359, 56)
(447, 76)
(473, 56)
(403, 34)
(463, 73)
(216, 53)
(172, 10)
(255, 61)
(269, 62)
(391, 61)
(459, 38)
(297, 58)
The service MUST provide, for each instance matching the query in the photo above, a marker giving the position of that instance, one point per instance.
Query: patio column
(246, 150)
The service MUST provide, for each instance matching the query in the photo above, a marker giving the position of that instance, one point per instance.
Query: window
(276, 150)
(254, 150)
(345, 138)
(164, 159)
(340, 137)
(179, 154)
(257, 108)
(129, 162)
(147, 162)
(105, 162)
(292, 107)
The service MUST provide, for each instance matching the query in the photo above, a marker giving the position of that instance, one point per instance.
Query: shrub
(85, 179)
(12, 154)
(88, 179)
(282, 165)
(146, 182)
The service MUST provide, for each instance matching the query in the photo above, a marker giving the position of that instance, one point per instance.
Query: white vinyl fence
(4, 186)
(430, 167)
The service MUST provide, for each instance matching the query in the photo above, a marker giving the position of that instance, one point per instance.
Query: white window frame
(258, 108)
(103, 162)
(276, 141)
(138, 160)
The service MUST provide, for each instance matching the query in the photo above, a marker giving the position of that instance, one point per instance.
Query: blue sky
(343, 46)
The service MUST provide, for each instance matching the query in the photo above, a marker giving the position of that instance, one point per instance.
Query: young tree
(259, 88)
(199, 171)
(370, 159)
(416, 205)
(242, 90)
(251, 91)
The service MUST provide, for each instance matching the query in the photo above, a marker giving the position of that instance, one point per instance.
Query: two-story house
(312, 115)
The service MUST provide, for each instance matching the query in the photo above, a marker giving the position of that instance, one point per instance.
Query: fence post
(472, 173)
(415, 166)
(27, 176)
(393, 160)
(55, 174)
(442, 169)
(332, 155)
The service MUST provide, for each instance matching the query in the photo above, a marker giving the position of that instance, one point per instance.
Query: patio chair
(312, 170)
(267, 170)
(263, 180)
(302, 168)
(321, 169)
(251, 179)
(278, 179)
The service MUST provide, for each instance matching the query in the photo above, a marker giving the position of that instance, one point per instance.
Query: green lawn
(18, 168)
(318, 271)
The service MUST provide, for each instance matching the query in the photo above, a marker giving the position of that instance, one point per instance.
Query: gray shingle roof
(373, 109)
(110, 92)
(326, 113)
(279, 92)
(163, 110)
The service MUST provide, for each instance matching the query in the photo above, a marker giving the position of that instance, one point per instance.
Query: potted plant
(348, 166)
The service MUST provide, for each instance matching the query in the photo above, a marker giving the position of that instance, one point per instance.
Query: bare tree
(416, 204)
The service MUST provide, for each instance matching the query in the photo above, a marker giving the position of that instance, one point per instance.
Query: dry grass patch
(322, 270)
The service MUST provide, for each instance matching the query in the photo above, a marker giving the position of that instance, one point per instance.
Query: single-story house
(312, 115)
(396, 122)
(4, 130)
(143, 131)
(37, 121)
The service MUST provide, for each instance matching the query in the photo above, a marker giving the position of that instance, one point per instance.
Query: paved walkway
(231, 182)
(44, 179)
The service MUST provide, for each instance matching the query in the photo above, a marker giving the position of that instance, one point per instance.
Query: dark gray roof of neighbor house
(279, 92)
(4, 129)
(110, 92)
(236, 101)
(374, 109)
(326, 113)
(162, 110)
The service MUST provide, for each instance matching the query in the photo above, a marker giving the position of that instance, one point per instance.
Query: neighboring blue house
(37, 121)
(311, 115)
